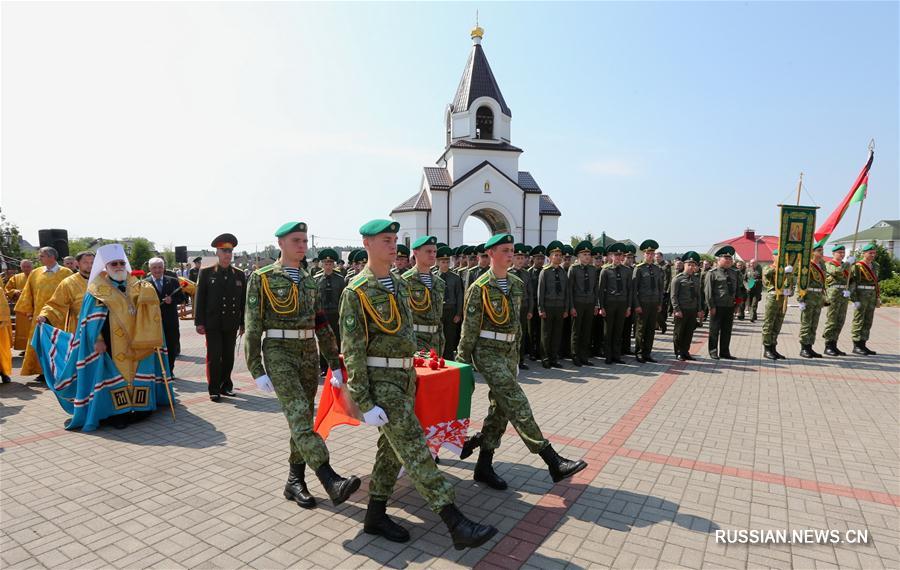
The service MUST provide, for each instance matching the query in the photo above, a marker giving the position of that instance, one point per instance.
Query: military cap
(375, 227)
(649, 244)
(327, 254)
(197, 259)
(527, 250)
(520, 249)
(226, 241)
(498, 239)
(444, 252)
(441, 244)
(774, 251)
(868, 247)
(838, 247)
(617, 247)
(479, 249)
(402, 250)
(691, 256)
(315, 259)
(362, 256)
(728, 250)
(583, 245)
(630, 249)
(568, 249)
(538, 250)
(351, 257)
(598, 250)
(289, 228)
(819, 244)
(554, 245)
(424, 240)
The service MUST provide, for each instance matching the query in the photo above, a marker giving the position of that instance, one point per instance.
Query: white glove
(375, 417)
(846, 293)
(788, 269)
(337, 378)
(857, 305)
(801, 304)
(850, 259)
(264, 384)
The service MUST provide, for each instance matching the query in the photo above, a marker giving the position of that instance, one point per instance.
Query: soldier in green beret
(379, 343)
(583, 281)
(426, 296)
(722, 286)
(490, 340)
(648, 284)
(521, 271)
(615, 300)
(866, 297)
(836, 281)
(773, 316)
(330, 284)
(283, 304)
(687, 305)
(534, 327)
(451, 314)
(554, 304)
(811, 303)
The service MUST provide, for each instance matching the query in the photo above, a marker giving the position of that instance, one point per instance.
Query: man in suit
(170, 296)
(219, 315)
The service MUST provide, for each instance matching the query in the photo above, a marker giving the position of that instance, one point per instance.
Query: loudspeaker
(180, 254)
(55, 238)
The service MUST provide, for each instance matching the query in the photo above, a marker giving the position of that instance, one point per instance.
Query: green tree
(80, 244)
(169, 257)
(887, 265)
(140, 252)
(10, 239)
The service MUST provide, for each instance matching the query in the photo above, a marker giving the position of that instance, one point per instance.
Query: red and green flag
(857, 194)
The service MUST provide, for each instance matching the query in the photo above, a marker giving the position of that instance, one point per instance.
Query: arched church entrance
(483, 223)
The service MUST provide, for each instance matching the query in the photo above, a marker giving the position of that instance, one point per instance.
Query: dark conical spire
(478, 79)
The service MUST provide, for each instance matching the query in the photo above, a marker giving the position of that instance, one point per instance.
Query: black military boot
(831, 348)
(465, 533)
(576, 361)
(338, 488)
(470, 444)
(838, 350)
(522, 365)
(560, 467)
(484, 471)
(295, 488)
(378, 522)
(778, 355)
(768, 352)
(546, 363)
(858, 349)
(805, 351)
(813, 351)
(869, 351)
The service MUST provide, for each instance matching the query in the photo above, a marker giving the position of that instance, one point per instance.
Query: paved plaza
(676, 451)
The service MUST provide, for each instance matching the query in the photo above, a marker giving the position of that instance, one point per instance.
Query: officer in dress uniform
(628, 328)
(401, 263)
(583, 281)
(451, 314)
(615, 299)
(753, 287)
(330, 284)
(687, 305)
(534, 327)
(554, 304)
(219, 315)
(648, 284)
(597, 345)
(722, 287)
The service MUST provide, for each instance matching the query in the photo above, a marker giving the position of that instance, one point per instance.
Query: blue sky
(682, 122)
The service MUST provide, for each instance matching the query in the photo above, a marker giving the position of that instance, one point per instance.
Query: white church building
(478, 172)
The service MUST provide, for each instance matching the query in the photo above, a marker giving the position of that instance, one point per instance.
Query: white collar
(53, 269)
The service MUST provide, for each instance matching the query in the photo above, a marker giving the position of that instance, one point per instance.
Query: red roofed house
(749, 246)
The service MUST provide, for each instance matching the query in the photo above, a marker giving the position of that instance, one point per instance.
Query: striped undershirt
(387, 282)
(503, 282)
(293, 273)
(426, 279)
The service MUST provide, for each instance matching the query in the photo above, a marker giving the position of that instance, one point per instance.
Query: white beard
(118, 274)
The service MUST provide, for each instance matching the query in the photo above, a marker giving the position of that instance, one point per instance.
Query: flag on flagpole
(857, 194)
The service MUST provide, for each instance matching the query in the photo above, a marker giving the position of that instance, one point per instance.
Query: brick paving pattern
(676, 451)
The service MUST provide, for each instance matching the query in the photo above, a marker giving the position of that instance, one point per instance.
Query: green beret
(402, 250)
(838, 247)
(538, 250)
(289, 228)
(376, 227)
(568, 249)
(819, 244)
(327, 254)
(424, 240)
(441, 244)
(649, 244)
(868, 247)
(498, 239)
(444, 252)
(479, 249)
(774, 252)
(630, 249)
(691, 256)
(470, 250)
(520, 249)
(527, 250)
(227, 241)
(554, 245)
(598, 250)
(584, 245)
(617, 247)
(727, 250)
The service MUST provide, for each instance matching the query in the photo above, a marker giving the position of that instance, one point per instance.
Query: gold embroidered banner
(798, 223)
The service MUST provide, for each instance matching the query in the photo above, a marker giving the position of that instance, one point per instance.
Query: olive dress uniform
(813, 299)
(554, 302)
(614, 300)
(524, 311)
(453, 301)
(330, 288)
(721, 288)
(219, 308)
(648, 284)
(687, 298)
(583, 283)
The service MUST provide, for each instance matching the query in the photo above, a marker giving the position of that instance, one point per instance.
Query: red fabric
(335, 407)
(828, 226)
(745, 248)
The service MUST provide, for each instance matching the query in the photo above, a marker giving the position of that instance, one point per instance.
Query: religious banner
(795, 244)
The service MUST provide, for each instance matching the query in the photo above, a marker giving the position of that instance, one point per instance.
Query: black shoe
(546, 364)
(729, 356)
(532, 358)
(5, 379)
(576, 361)
(618, 360)
(663, 328)
(523, 366)
(465, 533)
(378, 522)
(649, 358)
(295, 489)
(215, 398)
(608, 360)
(587, 362)
(640, 358)
(556, 364)
(714, 354)
(229, 393)
(40, 379)
(767, 352)
(338, 488)
(680, 358)
(484, 471)
(778, 355)
(560, 468)
(687, 356)
(869, 352)
(470, 444)
(831, 349)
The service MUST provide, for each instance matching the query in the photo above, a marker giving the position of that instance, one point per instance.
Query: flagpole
(859, 214)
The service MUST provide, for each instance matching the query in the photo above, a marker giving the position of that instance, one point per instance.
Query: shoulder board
(409, 273)
(483, 280)
(357, 282)
(515, 278)
(265, 269)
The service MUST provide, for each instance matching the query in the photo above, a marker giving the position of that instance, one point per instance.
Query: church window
(484, 123)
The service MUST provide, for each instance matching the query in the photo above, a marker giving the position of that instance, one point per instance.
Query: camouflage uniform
(836, 280)
(401, 441)
(773, 316)
(496, 357)
(427, 306)
(291, 363)
(813, 298)
(863, 290)
(648, 284)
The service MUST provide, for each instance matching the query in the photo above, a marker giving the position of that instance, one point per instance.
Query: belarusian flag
(857, 194)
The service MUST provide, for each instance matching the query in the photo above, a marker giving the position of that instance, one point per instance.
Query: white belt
(865, 286)
(837, 287)
(497, 336)
(425, 328)
(290, 333)
(814, 289)
(383, 362)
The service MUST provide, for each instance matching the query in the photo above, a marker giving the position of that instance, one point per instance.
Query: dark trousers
(646, 329)
(581, 330)
(627, 333)
(683, 331)
(597, 346)
(451, 332)
(615, 328)
(663, 313)
(565, 340)
(173, 345)
(551, 333)
(219, 360)
(534, 334)
(720, 330)
(334, 321)
(525, 345)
